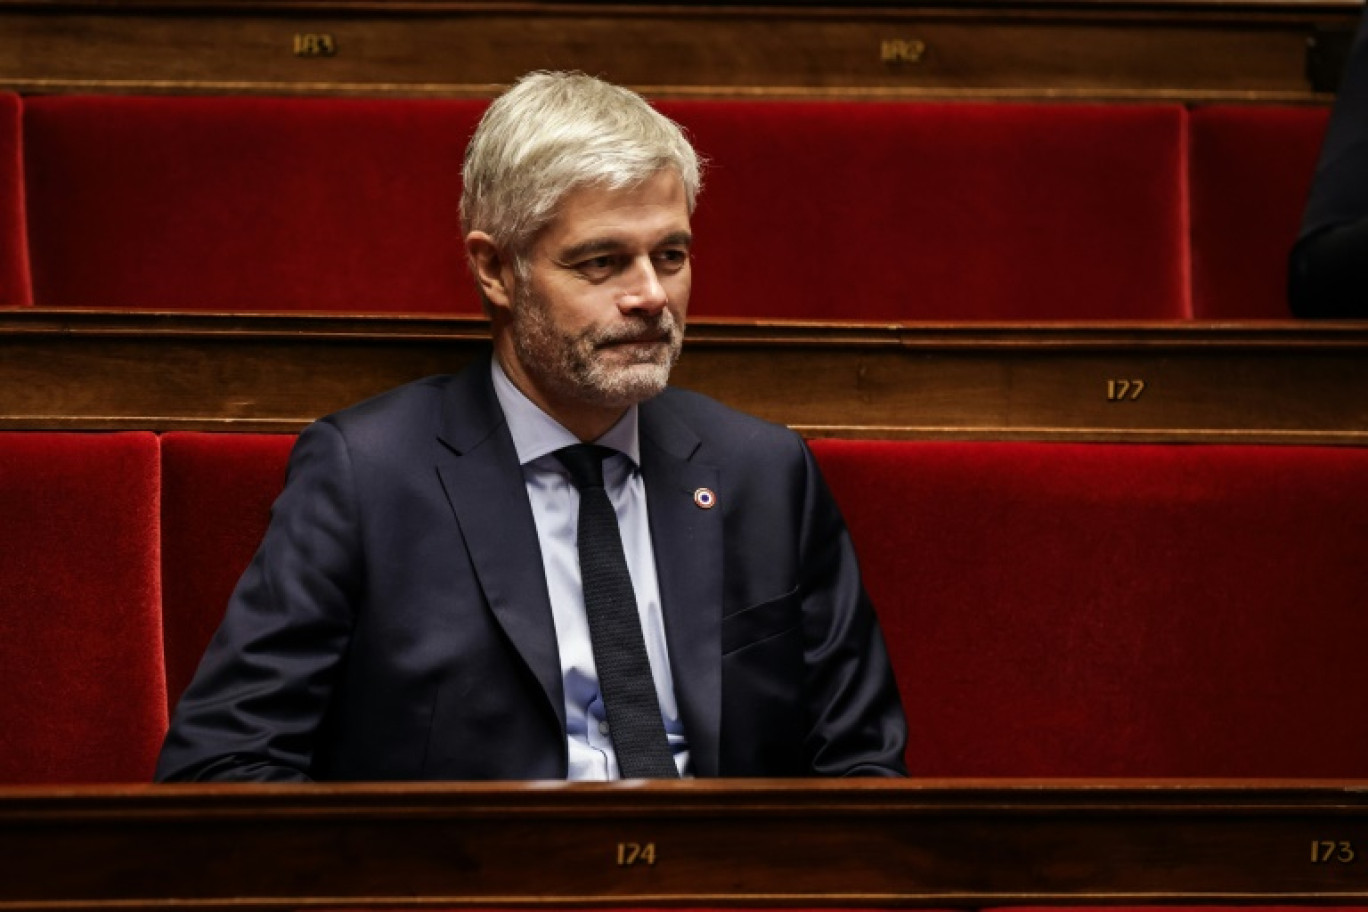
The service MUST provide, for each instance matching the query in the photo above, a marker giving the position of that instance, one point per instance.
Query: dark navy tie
(624, 672)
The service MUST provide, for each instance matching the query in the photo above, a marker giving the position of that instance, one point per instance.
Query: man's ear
(493, 271)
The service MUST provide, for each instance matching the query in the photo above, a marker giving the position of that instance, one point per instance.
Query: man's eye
(671, 260)
(598, 267)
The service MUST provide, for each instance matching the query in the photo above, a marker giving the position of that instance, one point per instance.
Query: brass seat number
(315, 45)
(635, 853)
(1124, 390)
(1326, 851)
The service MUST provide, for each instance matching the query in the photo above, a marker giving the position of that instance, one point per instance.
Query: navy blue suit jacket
(1327, 272)
(395, 622)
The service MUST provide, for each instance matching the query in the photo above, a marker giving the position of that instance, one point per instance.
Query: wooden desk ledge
(729, 842)
(1270, 382)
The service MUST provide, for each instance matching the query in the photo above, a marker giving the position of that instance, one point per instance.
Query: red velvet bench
(1118, 610)
(81, 670)
(899, 211)
(872, 211)
(233, 204)
(814, 210)
(1052, 609)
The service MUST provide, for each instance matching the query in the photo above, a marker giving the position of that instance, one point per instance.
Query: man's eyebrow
(676, 239)
(598, 246)
(590, 248)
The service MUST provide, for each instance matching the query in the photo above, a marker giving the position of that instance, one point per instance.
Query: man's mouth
(649, 338)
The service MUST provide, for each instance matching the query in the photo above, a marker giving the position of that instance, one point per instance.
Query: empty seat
(81, 670)
(901, 211)
(1118, 610)
(1250, 173)
(236, 204)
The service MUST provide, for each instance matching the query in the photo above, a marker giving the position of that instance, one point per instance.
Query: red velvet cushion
(217, 495)
(1113, 610)
(939, 211)
(81, 675)
(248, 203)
(1251, 169)
(14, 276)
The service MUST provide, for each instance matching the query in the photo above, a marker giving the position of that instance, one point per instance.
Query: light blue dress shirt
(555, 508)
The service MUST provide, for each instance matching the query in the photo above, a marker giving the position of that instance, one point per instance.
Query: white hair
(552, 133)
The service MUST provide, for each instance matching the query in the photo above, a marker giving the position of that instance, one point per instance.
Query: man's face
(598, 319)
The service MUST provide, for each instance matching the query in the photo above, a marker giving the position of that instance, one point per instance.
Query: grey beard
(575, 367)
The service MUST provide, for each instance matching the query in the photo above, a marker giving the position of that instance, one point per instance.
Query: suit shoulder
(721, 425)
(392, 417)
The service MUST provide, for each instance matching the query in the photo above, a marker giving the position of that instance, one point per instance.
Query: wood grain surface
(1193, 50)
(732, 843)
(1275, 382)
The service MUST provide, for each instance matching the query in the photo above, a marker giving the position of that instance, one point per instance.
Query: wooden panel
(1268, 383)
(720, 842)
(1211, 50)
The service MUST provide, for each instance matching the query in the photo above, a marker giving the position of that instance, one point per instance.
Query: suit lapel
(480, 475)
(688, 553)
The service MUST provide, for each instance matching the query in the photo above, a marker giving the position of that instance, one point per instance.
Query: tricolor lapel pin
(705, 499)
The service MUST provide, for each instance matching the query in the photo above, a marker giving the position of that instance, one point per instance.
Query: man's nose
(643, 292)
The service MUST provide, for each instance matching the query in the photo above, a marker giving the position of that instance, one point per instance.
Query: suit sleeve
(1327, 274)
(857, 726)
(261, 693)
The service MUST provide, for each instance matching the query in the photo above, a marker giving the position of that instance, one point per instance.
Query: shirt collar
(537, 434)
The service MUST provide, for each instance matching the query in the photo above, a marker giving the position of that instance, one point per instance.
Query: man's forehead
(653, 211)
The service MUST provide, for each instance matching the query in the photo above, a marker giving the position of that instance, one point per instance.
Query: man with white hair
(552, 565)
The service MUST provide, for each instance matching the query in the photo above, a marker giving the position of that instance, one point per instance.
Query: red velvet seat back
(812, 210)
(218, 491)
(80, 614)
(14, 274)
(1251, 169)
(842, 211)
(1113, 610)
(248, 203)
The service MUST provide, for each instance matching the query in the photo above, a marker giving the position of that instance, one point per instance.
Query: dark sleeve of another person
(1328, 269)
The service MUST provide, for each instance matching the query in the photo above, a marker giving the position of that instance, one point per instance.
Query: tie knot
(585, 464)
